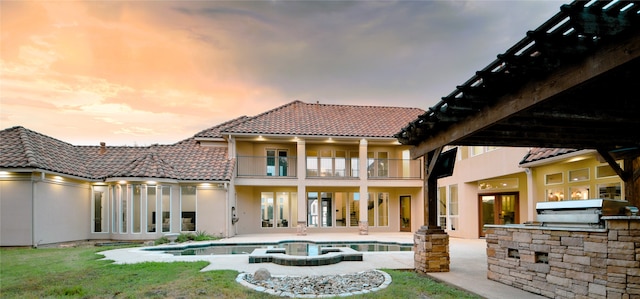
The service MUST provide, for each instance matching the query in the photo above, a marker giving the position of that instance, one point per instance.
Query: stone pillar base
(302, 228)
(431, 250)
(363, 227)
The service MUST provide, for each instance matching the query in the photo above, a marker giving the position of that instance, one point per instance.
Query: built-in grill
(581, 213)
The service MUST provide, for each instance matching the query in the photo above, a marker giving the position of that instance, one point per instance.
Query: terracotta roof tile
(541, 153)
(185, 160)
(216, 132)
(302, 119)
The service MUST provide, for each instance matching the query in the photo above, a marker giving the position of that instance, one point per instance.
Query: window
(506, 183)
(277, 162)
(266, 209)
(605, 171)
(136, 207)
(312, 163)
(354, 209)
(442, 207)
(477, 150)
(453, 206)
(610, 191)
(579, 175)
(152, 203)
(188, 203)
(553, 178)
(579, 192)
(378, 209)
(166, 208)
(100, 205)
(555, 194)
(342, 210)
(123, 212)
(354, 163)
(378, 164)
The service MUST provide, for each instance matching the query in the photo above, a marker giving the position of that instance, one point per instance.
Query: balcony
(394, 169)
(327, 168)
(266, 166)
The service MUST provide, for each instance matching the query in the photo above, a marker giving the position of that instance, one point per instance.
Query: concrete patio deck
(468, 261)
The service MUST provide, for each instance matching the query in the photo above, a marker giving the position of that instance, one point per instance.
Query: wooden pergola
(574, 82)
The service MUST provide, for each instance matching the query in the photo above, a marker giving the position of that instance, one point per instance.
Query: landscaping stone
(262, 274)
(319, 286)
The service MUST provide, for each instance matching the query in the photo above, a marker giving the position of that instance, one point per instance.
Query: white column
(301, 172)
(363, 222)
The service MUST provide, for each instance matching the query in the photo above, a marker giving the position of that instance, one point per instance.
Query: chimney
(103, 148)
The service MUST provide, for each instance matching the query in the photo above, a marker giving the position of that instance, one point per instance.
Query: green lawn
(78, 273)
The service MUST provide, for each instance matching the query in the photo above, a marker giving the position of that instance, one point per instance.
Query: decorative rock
(261, 274)
(319, 286)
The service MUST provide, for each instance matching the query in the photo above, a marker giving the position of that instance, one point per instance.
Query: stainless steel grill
(580, 213)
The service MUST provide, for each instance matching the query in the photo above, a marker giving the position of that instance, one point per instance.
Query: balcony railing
(283, 167)
(394, 169)
(270, 166)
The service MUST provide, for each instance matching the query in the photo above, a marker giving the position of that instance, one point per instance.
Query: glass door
(405, 213)
(498, 209)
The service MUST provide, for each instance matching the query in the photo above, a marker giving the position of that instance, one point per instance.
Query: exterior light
(122, 182)
(151, 182)
(58, 178)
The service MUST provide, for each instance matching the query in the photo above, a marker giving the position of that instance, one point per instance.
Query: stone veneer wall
(568, 263)
(431, 251)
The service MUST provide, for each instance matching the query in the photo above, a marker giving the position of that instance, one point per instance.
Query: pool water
(292, 248)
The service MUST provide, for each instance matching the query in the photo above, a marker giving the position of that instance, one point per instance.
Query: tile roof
(185, 160)
(216, 132)
(541, 153)
(303, 119)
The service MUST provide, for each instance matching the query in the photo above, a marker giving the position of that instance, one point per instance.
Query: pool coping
(327, 256)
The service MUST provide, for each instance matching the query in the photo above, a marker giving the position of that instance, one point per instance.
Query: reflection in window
(354, 209)
(383, 209)
(166, 208)
(610, 191)
(506, 183)
(136, 205)
(579, 192)
(553, 178)
(152, 216)
(605, 171)
(266, 209)
(453, 206)
(188, 208)
(555, 194)
(579, 175)
(442, 207)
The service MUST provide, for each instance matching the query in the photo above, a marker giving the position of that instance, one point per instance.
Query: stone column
(431, 250)
(363, 217)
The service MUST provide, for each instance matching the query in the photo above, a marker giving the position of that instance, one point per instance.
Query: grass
(79, 273)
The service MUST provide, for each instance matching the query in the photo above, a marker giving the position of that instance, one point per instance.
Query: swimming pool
(298, 248)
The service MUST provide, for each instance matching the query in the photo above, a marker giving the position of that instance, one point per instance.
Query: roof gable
(303, 119)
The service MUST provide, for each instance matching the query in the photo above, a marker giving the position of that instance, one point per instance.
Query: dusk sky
(144, 72)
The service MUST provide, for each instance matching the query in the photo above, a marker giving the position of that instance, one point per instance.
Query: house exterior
(501, 185)
(298, 168)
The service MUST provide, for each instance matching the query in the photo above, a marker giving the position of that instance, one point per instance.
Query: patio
(468, 261)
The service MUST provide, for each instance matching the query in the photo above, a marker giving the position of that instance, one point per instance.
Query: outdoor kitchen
(581, 248)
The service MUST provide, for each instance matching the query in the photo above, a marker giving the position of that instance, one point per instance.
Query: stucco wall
(15, 212)
(213, 212)
(62, 211)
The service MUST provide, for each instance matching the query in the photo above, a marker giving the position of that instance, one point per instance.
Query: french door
(498, 208)
(405, 213)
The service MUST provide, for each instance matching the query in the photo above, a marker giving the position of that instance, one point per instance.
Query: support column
(363, 217)
(431, 242)
(301, 172)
